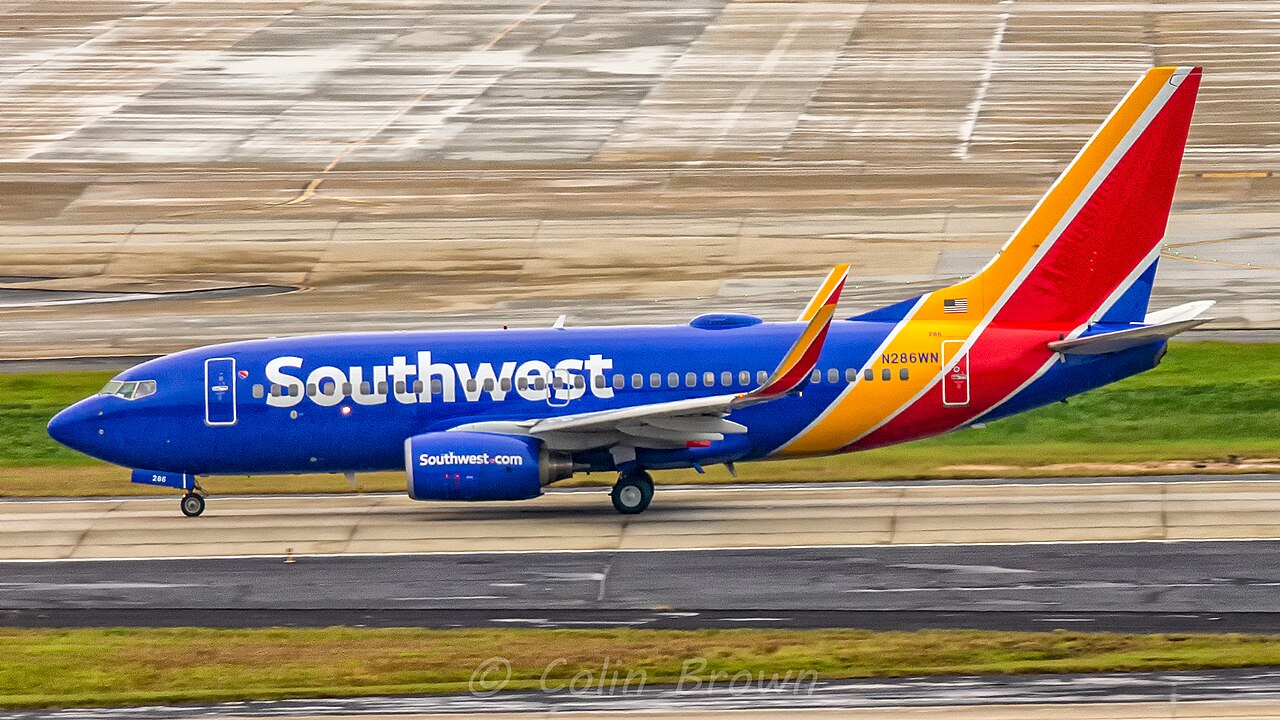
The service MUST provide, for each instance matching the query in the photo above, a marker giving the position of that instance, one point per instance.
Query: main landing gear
(633, 492)
(193, 502)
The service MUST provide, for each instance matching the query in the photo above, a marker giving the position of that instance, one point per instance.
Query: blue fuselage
(339, 403)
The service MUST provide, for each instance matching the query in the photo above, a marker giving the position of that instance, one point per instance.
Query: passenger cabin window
(437, 387)
(886, 374)
(833, 375)
(637, 381)
(815, 376)
(726, 378)
(619, 381)
(599, 382)
(471, 385)
(690, 379)
(655, 380)
(673, 379)
(903, 374)
(850, 375)
(311, 389)
(868, 374)
(257, 392)
(708, 379)
(744, 378)
(418, 387)
(762, 377)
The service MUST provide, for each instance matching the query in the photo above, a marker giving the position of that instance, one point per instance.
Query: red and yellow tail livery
(1091, 236)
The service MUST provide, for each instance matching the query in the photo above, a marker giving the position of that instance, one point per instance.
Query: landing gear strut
(193, 501)
(632, 493)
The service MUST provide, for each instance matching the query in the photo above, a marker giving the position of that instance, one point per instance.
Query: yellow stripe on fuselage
(865, 405)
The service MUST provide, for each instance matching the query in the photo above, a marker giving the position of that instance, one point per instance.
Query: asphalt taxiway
(1125, 587)
(1169, 554)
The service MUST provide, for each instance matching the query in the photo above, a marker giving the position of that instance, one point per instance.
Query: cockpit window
(129, 390)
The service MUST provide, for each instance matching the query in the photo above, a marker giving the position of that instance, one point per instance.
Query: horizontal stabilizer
(1169, 323)
(1178, 313)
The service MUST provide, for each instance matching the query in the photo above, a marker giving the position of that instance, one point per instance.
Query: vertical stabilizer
(1097, 229)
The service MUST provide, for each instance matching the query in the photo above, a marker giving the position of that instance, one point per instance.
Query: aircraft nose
(75, 426)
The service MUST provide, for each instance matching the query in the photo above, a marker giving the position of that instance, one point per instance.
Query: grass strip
(125, 666)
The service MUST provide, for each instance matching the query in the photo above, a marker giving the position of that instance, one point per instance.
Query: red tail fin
(1099, 225)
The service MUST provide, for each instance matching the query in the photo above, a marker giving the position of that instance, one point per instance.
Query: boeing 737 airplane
(501, 414)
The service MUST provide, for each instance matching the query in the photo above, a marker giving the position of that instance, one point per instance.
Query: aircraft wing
(675, 423)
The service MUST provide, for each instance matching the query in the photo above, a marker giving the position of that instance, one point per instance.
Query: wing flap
(698, 423)
(611, 419)
(652, 432)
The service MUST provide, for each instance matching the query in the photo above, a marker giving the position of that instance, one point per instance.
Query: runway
(1175, 554)
(1122, 587)
(692, 517)
(502, 162)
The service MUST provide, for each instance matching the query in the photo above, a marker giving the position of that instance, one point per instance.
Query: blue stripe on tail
(1132, 306)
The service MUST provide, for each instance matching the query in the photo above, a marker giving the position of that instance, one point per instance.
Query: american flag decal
(958, 305)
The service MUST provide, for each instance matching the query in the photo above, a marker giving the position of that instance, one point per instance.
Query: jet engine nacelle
(480, 466)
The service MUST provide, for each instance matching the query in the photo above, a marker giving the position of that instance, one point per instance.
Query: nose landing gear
(633, 492)
(193, 501)
(192, 505)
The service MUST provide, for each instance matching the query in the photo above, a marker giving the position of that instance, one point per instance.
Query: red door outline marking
(955, 381)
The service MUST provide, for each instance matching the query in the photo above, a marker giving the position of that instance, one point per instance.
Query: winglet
(834, 278)
(793, 372)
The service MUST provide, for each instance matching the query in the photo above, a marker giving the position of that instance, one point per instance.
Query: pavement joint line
(604, 578)
(585, 551)
(893, 516)
(1164, 511)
